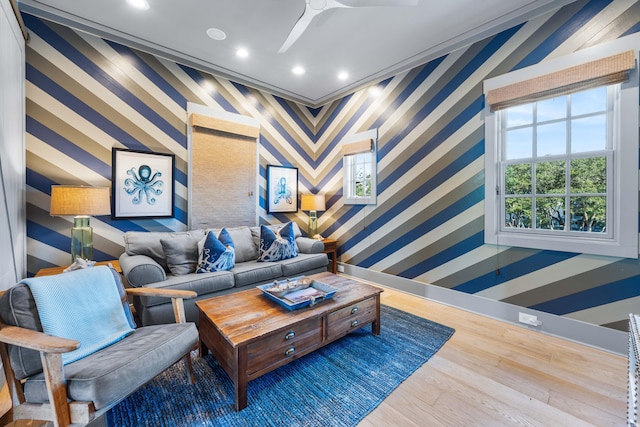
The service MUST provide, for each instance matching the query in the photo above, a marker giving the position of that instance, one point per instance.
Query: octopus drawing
(282, 192)
(143, 183)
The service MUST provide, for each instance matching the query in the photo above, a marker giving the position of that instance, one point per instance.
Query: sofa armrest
(177, 296)
(307, 245)
(140, 270)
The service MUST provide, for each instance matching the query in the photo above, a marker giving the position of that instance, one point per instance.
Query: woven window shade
(201, 121)
(365, 146)
(601, 72)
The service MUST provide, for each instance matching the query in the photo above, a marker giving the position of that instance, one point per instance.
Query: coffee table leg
(204, 350)
(375, 326)
(241, 395)
(240, 379)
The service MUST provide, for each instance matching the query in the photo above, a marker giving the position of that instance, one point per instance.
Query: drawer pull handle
(289, 335)
(289, 351)
(354, 323)
(354, 310)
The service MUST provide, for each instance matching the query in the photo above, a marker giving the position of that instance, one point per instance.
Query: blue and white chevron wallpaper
(86, 95)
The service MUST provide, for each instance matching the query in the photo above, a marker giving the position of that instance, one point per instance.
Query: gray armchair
(44, 386)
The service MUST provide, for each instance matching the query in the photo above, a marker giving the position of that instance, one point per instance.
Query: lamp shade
(312, 202)
(79, 200)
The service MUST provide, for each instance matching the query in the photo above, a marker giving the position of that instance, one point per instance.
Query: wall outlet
(340, 268)
(529, 319)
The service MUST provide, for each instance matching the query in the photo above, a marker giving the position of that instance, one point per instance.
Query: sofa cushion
(277, 246)
(218, 253)
(254, 272)
(202, 284)
(181, 253)
(243, 243)
(255, 232)
(303, 263)
(109, 375)
(148, 243)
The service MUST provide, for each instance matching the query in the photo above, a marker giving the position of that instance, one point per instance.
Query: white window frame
(347, 170)
(624, 219)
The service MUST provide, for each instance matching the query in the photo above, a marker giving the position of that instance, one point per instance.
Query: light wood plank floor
(492, 373)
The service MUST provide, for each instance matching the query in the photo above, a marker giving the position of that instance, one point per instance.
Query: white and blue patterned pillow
(277, 246)
(217, 254)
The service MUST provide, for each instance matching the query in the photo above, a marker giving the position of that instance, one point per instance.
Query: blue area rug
(337, 385)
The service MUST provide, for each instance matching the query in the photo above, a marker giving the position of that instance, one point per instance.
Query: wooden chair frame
(59, 410)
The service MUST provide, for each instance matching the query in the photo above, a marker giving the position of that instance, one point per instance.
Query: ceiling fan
(315, 7)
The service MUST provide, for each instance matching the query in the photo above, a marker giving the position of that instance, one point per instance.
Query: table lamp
(82, 202)
(312, 203)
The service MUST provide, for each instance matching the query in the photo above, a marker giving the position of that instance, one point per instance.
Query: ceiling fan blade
(297, 30)
(314, 8)
(377, 3)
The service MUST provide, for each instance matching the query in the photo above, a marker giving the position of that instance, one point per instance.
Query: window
(555, 155)
(359, 165)
(358, 182)
(562, 170)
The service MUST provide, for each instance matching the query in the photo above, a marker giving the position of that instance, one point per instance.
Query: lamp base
(81, 239)
(312, 230)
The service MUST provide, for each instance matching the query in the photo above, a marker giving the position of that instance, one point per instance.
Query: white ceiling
(369, 43)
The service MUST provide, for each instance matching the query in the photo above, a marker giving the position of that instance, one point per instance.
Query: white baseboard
(600, 337)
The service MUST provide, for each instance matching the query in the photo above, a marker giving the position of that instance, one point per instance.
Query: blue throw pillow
(217, 253)
(225, 238)
(277, 246)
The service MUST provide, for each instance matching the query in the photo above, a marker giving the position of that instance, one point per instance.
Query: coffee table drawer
(343, 321)
(283, 344)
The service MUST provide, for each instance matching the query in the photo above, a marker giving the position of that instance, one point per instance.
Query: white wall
(12, 149)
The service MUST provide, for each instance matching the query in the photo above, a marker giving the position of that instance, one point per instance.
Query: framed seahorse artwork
(142, 184)
(282, 189)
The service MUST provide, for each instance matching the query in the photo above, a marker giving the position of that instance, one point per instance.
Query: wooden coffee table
(251, 335)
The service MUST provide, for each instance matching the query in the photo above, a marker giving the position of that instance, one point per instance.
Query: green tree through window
(555, 157)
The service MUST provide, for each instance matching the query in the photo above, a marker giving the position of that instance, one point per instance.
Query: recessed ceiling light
(139, 4)
(375, 91)
(242, 52)
(343, 75)
(298, 70)
(209, 87)
(216, 34)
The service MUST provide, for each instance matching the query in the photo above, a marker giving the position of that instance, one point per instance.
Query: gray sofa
(146, 263)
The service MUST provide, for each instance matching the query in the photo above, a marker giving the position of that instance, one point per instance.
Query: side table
(57, 270)
(331, 248)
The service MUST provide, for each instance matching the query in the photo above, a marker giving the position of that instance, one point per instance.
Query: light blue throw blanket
(83, 305)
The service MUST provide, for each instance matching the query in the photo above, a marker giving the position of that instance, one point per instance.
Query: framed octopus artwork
(282, 189)
(143, 184)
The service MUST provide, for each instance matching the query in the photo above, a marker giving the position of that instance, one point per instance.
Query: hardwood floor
(491, 373)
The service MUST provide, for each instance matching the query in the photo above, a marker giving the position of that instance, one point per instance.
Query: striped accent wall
(86, 95)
